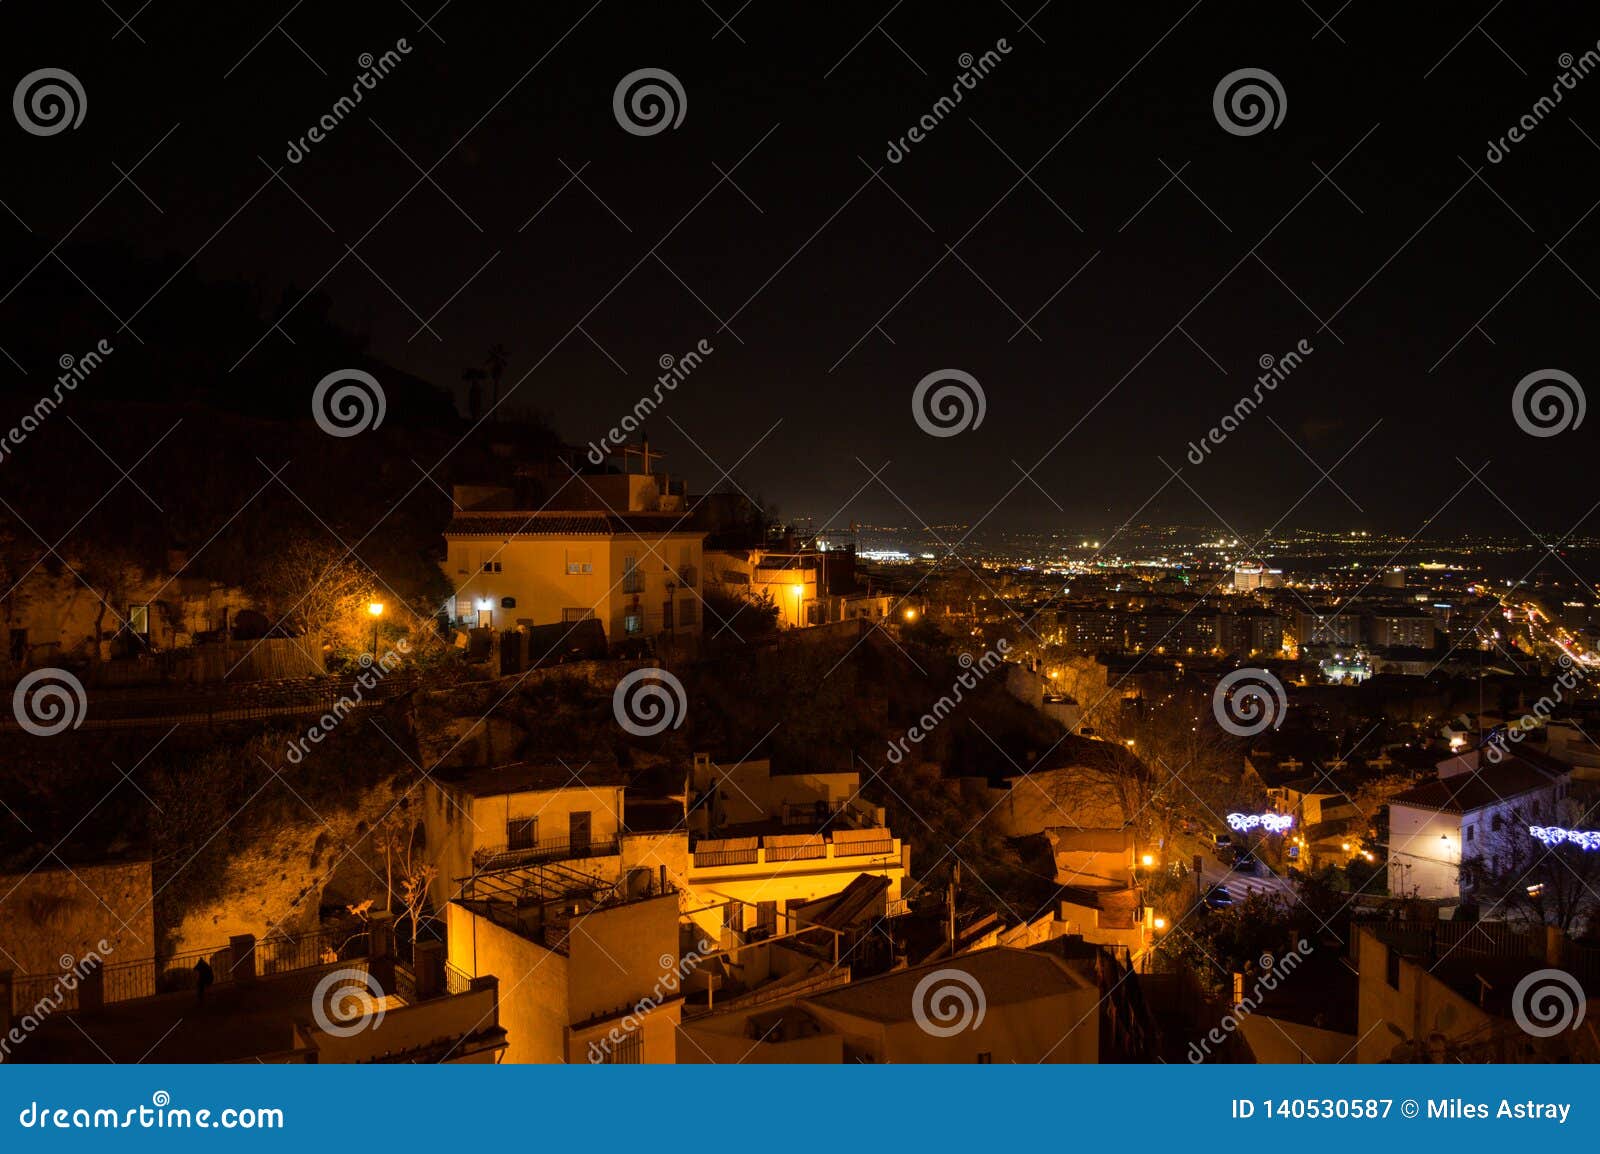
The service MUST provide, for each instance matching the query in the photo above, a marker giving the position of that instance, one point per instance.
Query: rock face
(52, 915)
(464, 741)
(281, 882)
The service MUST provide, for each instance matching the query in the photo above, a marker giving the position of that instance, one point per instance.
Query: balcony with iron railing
(495, 857)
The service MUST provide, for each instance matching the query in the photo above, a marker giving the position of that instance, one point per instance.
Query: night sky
(1426, 293)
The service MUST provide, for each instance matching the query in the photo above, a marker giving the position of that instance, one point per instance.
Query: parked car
(1245, 863)
(1219, 898)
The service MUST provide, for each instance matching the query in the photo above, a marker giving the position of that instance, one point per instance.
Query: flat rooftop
(1007, 976)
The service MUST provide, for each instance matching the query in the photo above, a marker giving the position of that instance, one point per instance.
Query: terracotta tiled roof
(1466, 792)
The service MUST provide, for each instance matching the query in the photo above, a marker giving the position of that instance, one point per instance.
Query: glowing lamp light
(1552, 836)
(1267, 822)
(911, 614)
(485, 603)
(375, 608)
(1161, 923)
(1147, 860)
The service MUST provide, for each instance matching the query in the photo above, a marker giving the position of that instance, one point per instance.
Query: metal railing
(766, 852)
(807, 852)
(726, 857)
(174, 973)
(214, 704)
(553, 849)
(281, 955)
(863, 848)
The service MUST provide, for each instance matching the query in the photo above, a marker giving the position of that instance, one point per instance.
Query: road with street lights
(1213, 872)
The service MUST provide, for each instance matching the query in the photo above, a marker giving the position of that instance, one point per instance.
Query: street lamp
(376, 609)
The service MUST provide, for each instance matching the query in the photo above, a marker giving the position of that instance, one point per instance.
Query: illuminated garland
(1270, 822)
(1554, 835)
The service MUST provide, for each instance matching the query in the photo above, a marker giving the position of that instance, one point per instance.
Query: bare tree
(406, 861)
(1515, 875)
(111, 571)
(1160, 760)
(313, 588)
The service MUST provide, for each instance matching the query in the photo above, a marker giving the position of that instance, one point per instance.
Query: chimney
(1555, 947)
(429, 970)
(380, 951)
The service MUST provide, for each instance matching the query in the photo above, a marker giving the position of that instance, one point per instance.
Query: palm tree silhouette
(496, 362)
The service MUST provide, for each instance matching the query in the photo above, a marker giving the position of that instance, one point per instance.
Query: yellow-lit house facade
(637, 573)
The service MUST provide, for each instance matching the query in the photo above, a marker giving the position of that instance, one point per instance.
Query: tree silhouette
(495, 362)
